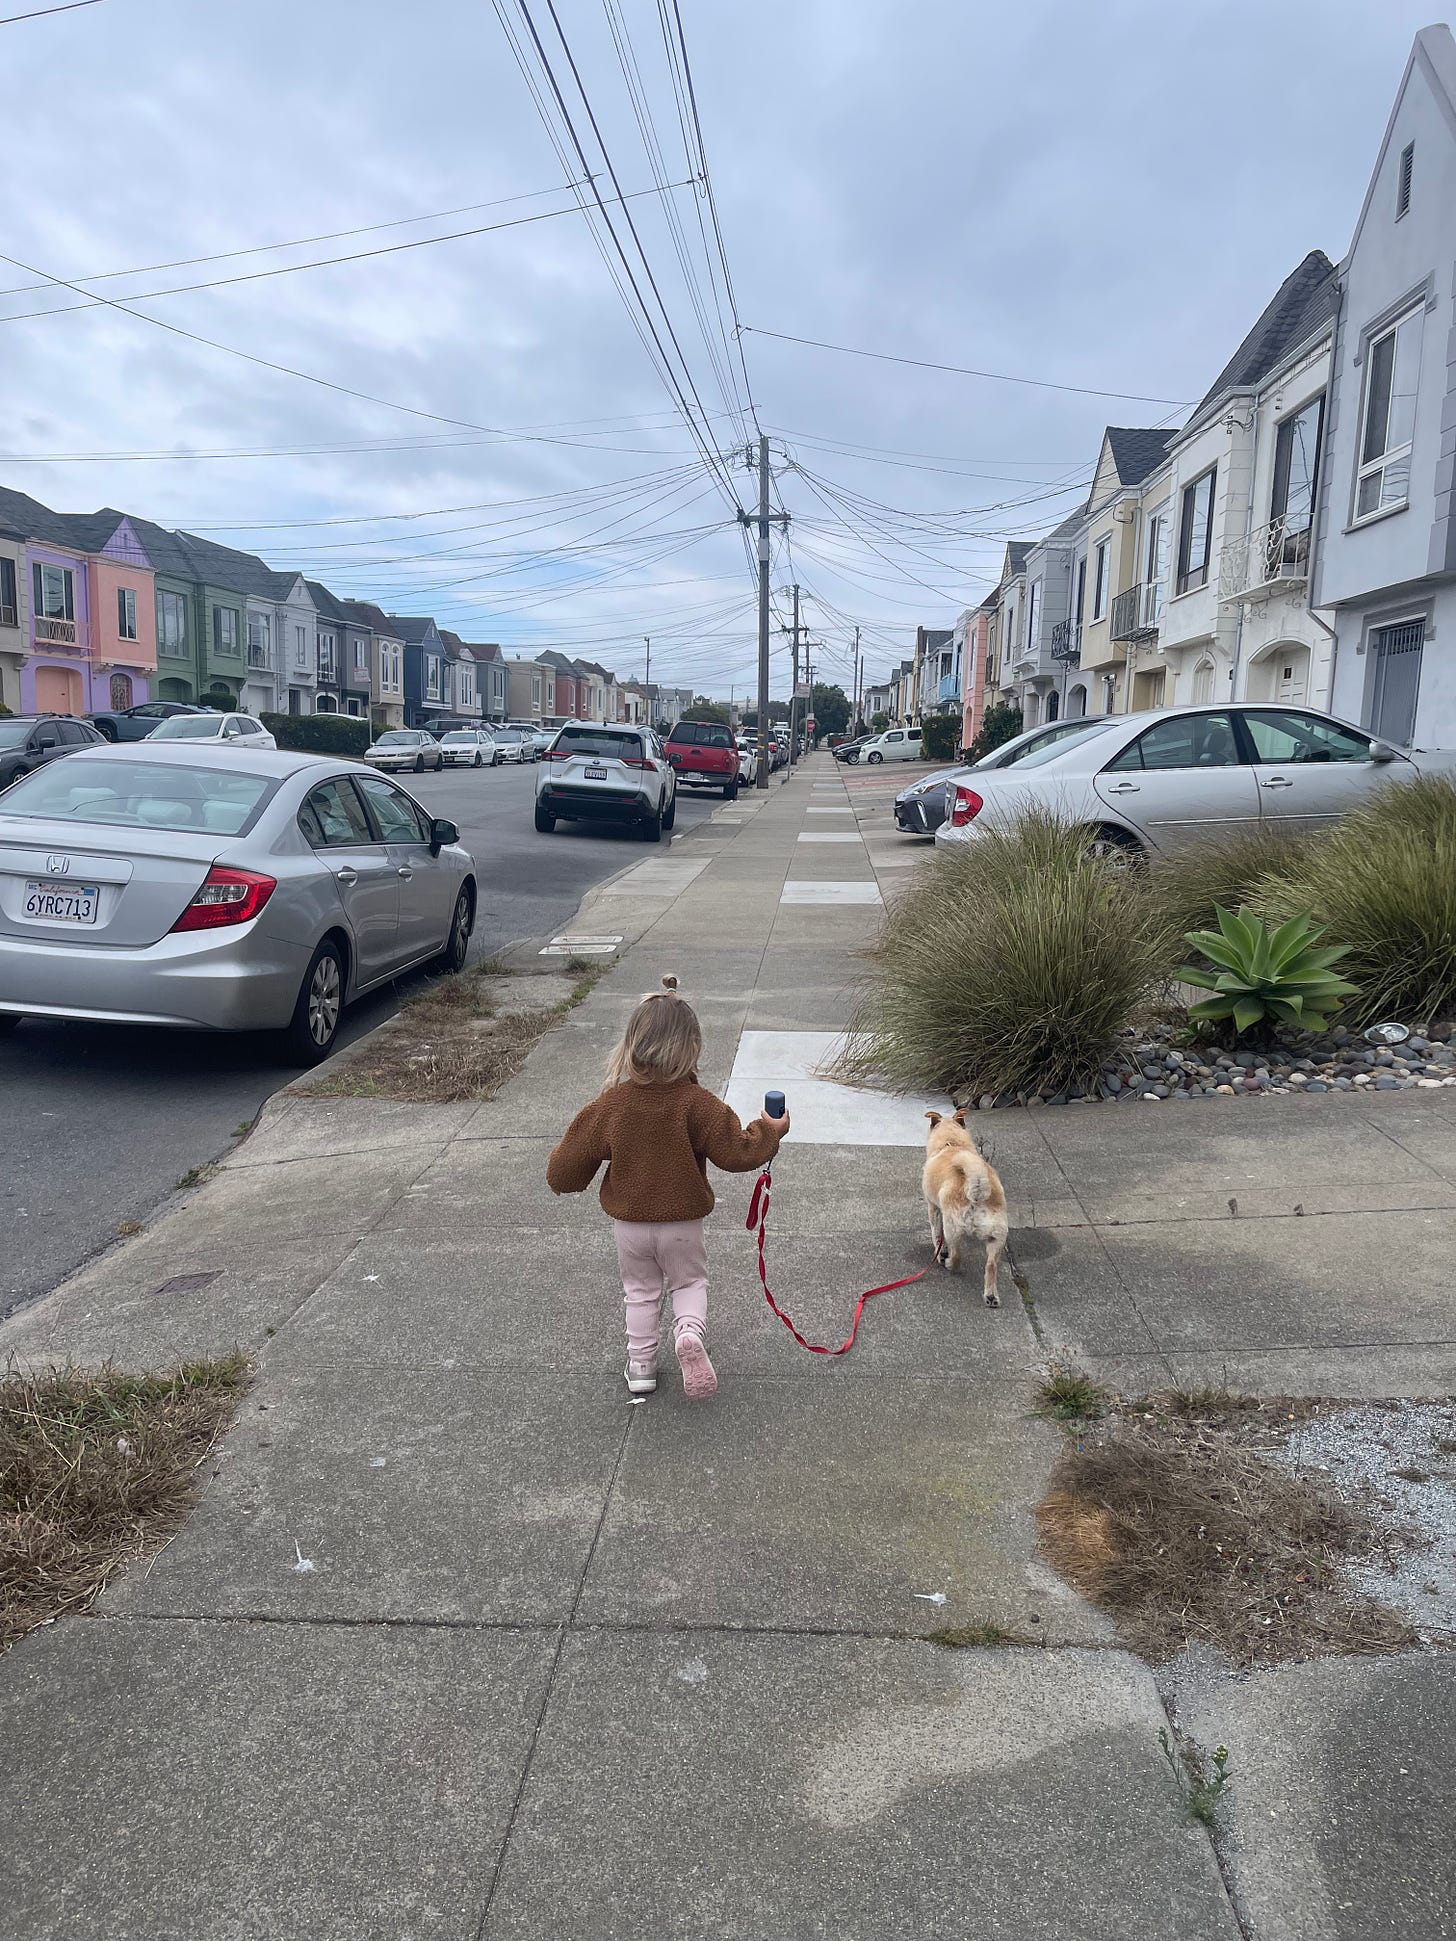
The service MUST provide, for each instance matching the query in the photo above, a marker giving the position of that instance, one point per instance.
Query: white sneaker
(641, 1377)
(698, 1378)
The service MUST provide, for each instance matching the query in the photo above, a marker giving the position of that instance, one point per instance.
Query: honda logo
(58, 865)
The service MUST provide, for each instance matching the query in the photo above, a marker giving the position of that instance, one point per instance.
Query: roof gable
(1304, 302)
(1433, 55)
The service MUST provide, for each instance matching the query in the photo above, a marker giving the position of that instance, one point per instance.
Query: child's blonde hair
(662, 1043)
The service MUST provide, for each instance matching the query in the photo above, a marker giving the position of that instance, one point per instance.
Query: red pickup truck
(705, 756)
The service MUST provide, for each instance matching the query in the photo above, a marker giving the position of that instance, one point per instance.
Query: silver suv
(592, 773)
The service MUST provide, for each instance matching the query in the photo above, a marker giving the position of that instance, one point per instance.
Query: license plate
(47, 902)
(596, 775)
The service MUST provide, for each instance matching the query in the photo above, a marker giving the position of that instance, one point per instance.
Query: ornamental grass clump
(1383, 880)
(1189, 886)
(1011, 965)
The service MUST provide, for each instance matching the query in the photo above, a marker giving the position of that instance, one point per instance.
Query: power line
(70, 7)
(298, 242)
(328, 262)
(961, 370)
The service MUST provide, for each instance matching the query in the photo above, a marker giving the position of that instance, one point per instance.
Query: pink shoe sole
(699, 1380)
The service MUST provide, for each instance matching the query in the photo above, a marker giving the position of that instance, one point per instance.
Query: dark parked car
(134, 724)
(29, 741)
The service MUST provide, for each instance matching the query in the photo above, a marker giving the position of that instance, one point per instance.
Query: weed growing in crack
(1202, 1789)
(1069, 1394)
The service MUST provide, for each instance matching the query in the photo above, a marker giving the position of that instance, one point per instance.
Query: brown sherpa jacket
(657, 1141)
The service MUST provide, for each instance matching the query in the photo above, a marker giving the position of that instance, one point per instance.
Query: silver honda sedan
(1146, 784)
(172, 884)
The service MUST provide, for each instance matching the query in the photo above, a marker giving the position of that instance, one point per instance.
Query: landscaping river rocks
(1159, 1065)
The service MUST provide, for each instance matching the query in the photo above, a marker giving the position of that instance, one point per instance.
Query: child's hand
(780, 1126)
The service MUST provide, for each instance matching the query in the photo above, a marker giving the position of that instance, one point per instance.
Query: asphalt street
(101, 1122)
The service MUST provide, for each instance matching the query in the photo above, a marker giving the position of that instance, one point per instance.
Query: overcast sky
(1100, 196)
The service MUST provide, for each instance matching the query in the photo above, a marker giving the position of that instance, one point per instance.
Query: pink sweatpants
(654, 1255)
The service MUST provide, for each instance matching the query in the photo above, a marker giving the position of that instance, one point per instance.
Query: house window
(258, 631)
(224, 630)
(326, 656)
(1195, 536)
(1403, 182)
(1392, 371)
(1100, 562)
(171, 623)
(1296, 466)
(1081, 594)
(9, 610)
(361, 655)
(432, 678)
(300, 646)
(126, 613)
(536, 693)
(1033, 602)
(54, 588)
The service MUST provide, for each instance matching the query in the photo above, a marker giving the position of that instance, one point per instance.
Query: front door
(1310, 770)
(1397, 653)
(333, 820)
(58, 690)
(1181, 781)
(120, 692)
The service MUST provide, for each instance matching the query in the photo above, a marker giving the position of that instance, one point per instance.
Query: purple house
(92, 633)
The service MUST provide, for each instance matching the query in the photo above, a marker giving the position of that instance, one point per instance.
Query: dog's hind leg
(937, 1228)
(993, 1255)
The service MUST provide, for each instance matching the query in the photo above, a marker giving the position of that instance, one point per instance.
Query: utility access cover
(569, 945)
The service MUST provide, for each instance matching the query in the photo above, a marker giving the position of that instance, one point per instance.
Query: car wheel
(457, 944)
(476, 762)
(874, 756)
(105, 730)
(419, 764)
(651, 828)
(545, 821)
(730, 794)
(1115, 847)
(669, 814)
(439, 764)
(310, 1037)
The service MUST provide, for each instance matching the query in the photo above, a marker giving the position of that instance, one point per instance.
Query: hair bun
(669, 983)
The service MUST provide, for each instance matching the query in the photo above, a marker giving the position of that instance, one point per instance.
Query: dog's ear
(959, 1115)
(934, 1118)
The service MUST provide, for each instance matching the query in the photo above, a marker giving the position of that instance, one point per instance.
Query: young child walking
(657, 1128)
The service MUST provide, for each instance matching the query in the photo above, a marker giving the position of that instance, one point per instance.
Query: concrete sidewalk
(458, 1643)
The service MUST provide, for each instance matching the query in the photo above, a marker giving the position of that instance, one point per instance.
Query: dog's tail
(981, 1187)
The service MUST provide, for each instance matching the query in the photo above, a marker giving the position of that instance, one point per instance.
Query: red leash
(758, 1217)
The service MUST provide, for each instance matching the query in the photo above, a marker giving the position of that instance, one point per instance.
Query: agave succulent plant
(1263, 974)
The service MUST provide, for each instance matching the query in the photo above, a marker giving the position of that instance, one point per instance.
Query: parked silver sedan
(1146, 784)
(176, 885)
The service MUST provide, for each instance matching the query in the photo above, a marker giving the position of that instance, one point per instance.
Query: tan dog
(964, 1196)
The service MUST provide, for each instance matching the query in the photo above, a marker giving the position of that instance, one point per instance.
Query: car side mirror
(441, 833)
(1381, 751)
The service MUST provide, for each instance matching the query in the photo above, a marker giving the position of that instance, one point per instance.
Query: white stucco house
(1385, 540)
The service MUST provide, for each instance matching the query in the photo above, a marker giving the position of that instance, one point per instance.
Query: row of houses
(108, 610)
(1292, 542)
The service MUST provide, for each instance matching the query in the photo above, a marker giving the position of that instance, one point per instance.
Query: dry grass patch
(95, 1471)
(452, 1043)
(1170, 1519)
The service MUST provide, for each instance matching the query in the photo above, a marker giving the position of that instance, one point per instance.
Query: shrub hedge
(940, 737)
(319, 734)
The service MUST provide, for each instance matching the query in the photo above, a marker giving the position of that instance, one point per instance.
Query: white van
(894, 745)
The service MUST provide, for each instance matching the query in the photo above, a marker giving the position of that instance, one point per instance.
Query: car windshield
(141, 795)
(599, 741)
(1053, 750)
(12, 733)
(398, 738)
(506, 734)
(187, 727)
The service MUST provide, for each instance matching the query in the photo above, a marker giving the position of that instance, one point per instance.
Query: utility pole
(764, 519)
(795, 630)
(647, 681)
(858, 687)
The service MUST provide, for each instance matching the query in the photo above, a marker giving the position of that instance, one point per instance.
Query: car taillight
(227, 896)
(966, 807)
(639, 761)
(554, 754)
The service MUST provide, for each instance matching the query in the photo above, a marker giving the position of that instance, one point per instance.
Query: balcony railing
(950, 687)
(1066, 640)
(1136, 613)
(259, 656)
(1273, 559)
(61, 633)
